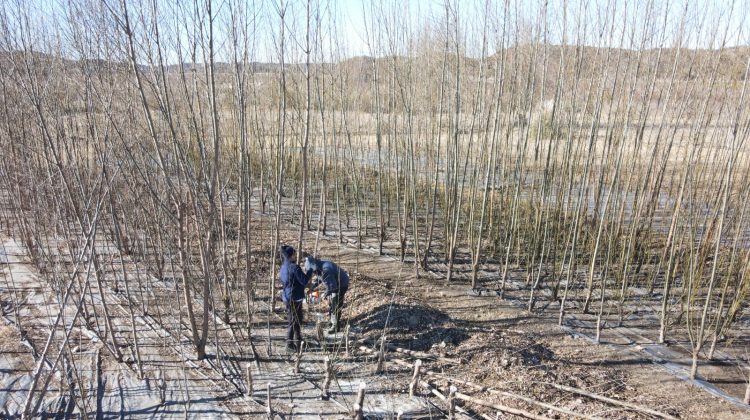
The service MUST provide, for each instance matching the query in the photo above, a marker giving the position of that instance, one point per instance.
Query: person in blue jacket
(293, 282)
(336, 281)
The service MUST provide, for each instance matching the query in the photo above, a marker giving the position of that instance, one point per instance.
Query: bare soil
(458, 334)
(506, 348)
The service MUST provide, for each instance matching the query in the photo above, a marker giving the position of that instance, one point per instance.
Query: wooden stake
(249, 381)
(359, 405)
(452, 402)
(415, 378)
(346, 340)
(269, 409)
(299, 356)
(162, 385)
(327, 382)
(436, 392)
(381, 356)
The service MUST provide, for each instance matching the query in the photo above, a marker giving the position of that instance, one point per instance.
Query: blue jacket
(334, 277)
(293, 280)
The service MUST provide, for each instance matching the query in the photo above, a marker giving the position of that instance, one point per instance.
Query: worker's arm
(310, 269)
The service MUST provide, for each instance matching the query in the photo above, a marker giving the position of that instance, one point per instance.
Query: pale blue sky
(346, 23)
(705, 21)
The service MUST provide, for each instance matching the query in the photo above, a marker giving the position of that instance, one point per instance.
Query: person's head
(287, 252)
(313, 264)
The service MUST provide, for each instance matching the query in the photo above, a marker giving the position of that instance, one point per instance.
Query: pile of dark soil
(374, 309)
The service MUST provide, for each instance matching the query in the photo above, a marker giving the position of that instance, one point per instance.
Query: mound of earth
(374, 309)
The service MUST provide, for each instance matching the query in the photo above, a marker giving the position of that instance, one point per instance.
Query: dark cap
(287, 250)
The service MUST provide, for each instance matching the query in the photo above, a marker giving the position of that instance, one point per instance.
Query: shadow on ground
(414, 327)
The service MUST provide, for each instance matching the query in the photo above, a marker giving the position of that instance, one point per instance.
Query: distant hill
(692, 63)
(223, 67)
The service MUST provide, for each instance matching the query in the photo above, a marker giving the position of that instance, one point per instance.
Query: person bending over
(336, 281)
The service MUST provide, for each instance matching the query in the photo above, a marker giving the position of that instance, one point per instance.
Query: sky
(704, 23)
(372, 27)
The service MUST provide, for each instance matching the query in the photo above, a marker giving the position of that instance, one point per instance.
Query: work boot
(291, 346)
(334, 325)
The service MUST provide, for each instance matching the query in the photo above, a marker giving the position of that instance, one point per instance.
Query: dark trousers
(294, 322)
(337, 301)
